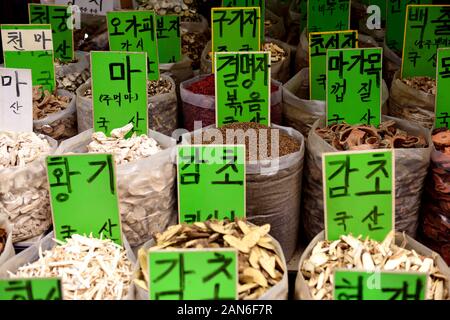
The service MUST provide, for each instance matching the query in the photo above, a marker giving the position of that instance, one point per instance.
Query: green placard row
(31, 289)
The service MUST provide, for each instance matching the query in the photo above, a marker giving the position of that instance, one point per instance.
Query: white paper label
(16, 100)
(27, 40)
(95, 7)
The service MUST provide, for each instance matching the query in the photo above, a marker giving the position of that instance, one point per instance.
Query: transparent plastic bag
(82, 63)
(301, 113)
(277, 292)
(302, 291)
(411, 167)
(146, 187)
(162, 109)
(31, 255)
(25, 199)
(411, 104)
(8, 250)
(59, 125)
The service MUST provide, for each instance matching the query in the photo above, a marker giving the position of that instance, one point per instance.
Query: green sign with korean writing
(395, 22)
(242, 87)
(28, 46)
(59, 17)
(303, 10)
(325, 15)
(169, 38)
(366, 180)
(367, 285)
(442, 89)
(135, 31)
(192, 274)
(31, 289)
(119, 90)
(83, 196)
(215, 171)
(426, 30)
(354, 86)
(319, 43)
(250, 3)
(235, 29)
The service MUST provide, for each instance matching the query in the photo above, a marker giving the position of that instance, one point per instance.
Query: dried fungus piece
(357, 253)
(259, 268)
(277, 53)
(90, 269)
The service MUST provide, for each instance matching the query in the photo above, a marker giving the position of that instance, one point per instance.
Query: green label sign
(442, 89)
(216, 171)
(326, 15)
(303, 10)
(59, 17)
(426, 30)
(193, 274)
(31, 289)
(135, 31)
(242, 87)
(366, 285)
(366, 180)
(250, 3)
(30, 47)
(169, 38)
(354, 86)
(395, 22)
(236, 29)
(83, 196)
(319, 43)
(119, 90)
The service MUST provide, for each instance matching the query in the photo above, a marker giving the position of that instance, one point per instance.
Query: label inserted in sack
(92, 7)
(319, 43)
(442, 89)
(28, 46)
(354, 86)
(83, 196)
(426, 30)
(169, 38)
(193, 274)
(325, 15)
(366, 179)
(367, 285)
(31, 289)
(16, 100)
(211, 182)
(250, 3)
(60, 18)
(135, 31)
(242, 87)
(119, 91)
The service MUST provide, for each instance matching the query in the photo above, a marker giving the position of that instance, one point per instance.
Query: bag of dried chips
(411, 166)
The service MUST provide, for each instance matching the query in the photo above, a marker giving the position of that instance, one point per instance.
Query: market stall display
(398, 252)
(24, 194)
(262, 267)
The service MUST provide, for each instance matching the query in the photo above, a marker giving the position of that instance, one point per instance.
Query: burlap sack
(302, 291)
(411, 166)
(273, 191)
(411, 104)
(391, 64)
(47, 243)
(301, 113)
(277, 292)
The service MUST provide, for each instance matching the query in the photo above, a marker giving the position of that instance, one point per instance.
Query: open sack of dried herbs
(274, 168)
(71, 75)
(412, 146)
(300, 112)
(261, 264)
(54, 114)
(24, 196)
(6, 244)
(435, 213)
(145, 177)
(398, 252)
(199, 102)
(89, 268)
(413, 99)
(162, 105)
(280, 59)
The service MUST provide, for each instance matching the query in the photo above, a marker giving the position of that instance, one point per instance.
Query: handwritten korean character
(62, 15)
(413, 56)
(105, 97)
(367, 117)
(16, 38)
(342, 217)
(443, 119)
(365, 91)
(67, 231)
(62, 172)
(358, 295)
(442, 27)
(16, 107)
(118, 71)
(402, 293)
(372, 219)
(192, 159)
(103, 122)
(339, 89)
(107, 227)
(337, 63)
(379, 163)
(230, 157)
(118, 98)
(418, 15)
(222, 268)
(63, 48)
(346, 169)
(135, 120)
(40, 37)
(317, 42)
(41, 14)
(444, 71)
(7, 81)
(233, 102)
(322, 81)
(367, 65)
